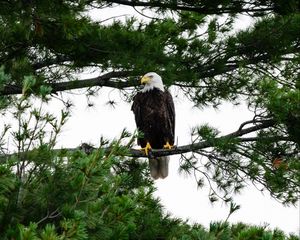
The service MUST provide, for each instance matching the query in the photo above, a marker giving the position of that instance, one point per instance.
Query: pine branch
(194, 147)
(108, 79)
(101, 81)
(105, 80)
(206, 144)
(204, 9)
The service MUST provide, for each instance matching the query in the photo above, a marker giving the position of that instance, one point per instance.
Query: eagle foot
(147, 148)
(168, 146)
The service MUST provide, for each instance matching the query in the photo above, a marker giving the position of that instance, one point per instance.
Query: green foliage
(4, 79)
(53, 41)
(283, 104)
(77, 196)
(265, 160)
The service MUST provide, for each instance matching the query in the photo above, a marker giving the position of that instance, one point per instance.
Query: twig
(54, 214)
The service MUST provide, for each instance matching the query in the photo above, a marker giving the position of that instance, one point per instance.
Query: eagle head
(152, 80)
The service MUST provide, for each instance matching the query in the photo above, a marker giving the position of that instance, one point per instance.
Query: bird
(154, 113)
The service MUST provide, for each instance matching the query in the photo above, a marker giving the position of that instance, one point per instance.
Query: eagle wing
(143, 108)
(136, 108)
(171, 117)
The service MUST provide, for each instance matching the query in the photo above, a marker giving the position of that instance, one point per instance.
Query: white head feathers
(152, 80)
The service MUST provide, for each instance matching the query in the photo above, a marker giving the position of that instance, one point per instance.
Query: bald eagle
(154, 112)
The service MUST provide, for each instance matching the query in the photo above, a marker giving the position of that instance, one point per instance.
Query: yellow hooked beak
(145, 79)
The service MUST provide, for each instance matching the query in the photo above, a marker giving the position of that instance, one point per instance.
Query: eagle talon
(147, 148)
(168, 146)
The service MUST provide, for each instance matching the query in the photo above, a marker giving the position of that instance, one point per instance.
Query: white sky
(179, 194)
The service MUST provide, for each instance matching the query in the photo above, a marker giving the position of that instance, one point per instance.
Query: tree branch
(106, 80)
(101, 81)
(206, 144)
(181, 149)
(199, 9)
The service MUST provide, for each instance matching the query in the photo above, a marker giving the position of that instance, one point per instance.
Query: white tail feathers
(159, 167)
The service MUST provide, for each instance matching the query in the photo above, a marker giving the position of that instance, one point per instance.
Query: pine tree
(105, 193)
